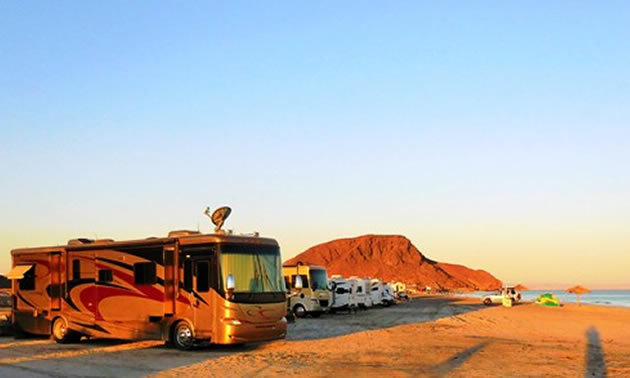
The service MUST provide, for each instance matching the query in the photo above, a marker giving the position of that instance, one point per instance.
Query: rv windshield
(319, 279)
(255, 268)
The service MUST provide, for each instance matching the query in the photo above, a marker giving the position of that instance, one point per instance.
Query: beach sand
(466, 340)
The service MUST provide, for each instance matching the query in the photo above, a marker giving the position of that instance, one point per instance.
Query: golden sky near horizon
(539, 257)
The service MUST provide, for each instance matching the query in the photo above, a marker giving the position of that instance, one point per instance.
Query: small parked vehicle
(344, 297)
(497, 297)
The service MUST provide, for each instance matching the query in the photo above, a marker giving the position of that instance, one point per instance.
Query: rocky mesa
(393, 258)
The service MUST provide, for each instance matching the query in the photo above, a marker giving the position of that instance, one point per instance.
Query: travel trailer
(363, 297)
(313, 298)
(344, 299)
(185, 288)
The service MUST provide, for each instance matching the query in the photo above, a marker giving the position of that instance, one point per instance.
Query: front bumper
(252, 332)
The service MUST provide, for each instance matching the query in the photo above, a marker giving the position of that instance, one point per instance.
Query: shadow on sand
(595, 363)
(456, 361)
(417, 310)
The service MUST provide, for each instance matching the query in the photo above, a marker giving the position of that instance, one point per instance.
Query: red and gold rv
(185, 288)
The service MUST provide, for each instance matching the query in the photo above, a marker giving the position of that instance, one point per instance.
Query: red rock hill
(393, 258)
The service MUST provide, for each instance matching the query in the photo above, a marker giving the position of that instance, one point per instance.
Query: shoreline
(562, 302)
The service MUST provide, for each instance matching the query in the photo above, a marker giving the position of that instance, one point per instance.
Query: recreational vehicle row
(359, 293)
(319, 294)
(185, 288)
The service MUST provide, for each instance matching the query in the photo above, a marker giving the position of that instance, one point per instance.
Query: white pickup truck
(497, 298)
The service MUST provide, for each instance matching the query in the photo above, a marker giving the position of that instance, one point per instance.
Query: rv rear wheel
(62, 334)
(487, 301)
(299, 310)
(183, 337)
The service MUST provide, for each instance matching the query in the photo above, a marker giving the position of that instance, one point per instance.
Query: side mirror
(298, 282)
(230, 284)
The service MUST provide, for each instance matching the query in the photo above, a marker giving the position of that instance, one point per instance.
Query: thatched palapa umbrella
(521, 287)
(578, 290)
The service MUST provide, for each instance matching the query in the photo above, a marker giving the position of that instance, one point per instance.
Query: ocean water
(596, 297)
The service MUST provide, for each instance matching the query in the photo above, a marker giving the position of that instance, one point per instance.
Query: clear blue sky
(487, 133)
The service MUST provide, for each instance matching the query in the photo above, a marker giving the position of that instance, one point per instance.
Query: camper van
(185, 288)
(362, 293)
(313, 298)
(344, 299)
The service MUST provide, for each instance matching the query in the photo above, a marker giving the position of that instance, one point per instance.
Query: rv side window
(28, 282)
(144, 273)
(76, 269)
(105, 275)
(287, 282)
(360, 289)
(375, 288)
(203, 276)
(304, 280)
(341, 290)
(188, 275)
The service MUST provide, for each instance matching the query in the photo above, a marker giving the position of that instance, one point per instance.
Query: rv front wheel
(299, 311)
(183, 337)
(61, 333)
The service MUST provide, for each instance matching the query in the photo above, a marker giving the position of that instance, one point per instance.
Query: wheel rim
(184, 336)
(59, 329)
(300, 311)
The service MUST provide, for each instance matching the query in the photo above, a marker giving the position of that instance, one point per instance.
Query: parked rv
(314, 298)
(344, 299)
(379, 294)
(184, 288)
(400, 290)
(362, 293)
(388, 294)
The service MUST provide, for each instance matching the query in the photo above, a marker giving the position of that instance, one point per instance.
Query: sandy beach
(428, 336)
(526, 340)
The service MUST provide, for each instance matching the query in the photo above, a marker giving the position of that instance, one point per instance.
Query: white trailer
(377, 293)
(389, 294)
(362, 292)
(344, 298)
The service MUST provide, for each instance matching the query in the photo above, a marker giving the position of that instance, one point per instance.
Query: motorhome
(344, 299)
(388, 293)
(378, 293)
(314, 298)
(362, 293)
(185, 288)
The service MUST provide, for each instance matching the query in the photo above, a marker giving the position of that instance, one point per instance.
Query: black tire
(183, 337)
(62, 334)
(487, 301)
(299, 311)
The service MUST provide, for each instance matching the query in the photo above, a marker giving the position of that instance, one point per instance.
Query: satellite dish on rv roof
(218, 216)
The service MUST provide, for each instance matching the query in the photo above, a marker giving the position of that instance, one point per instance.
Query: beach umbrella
(578, 290)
